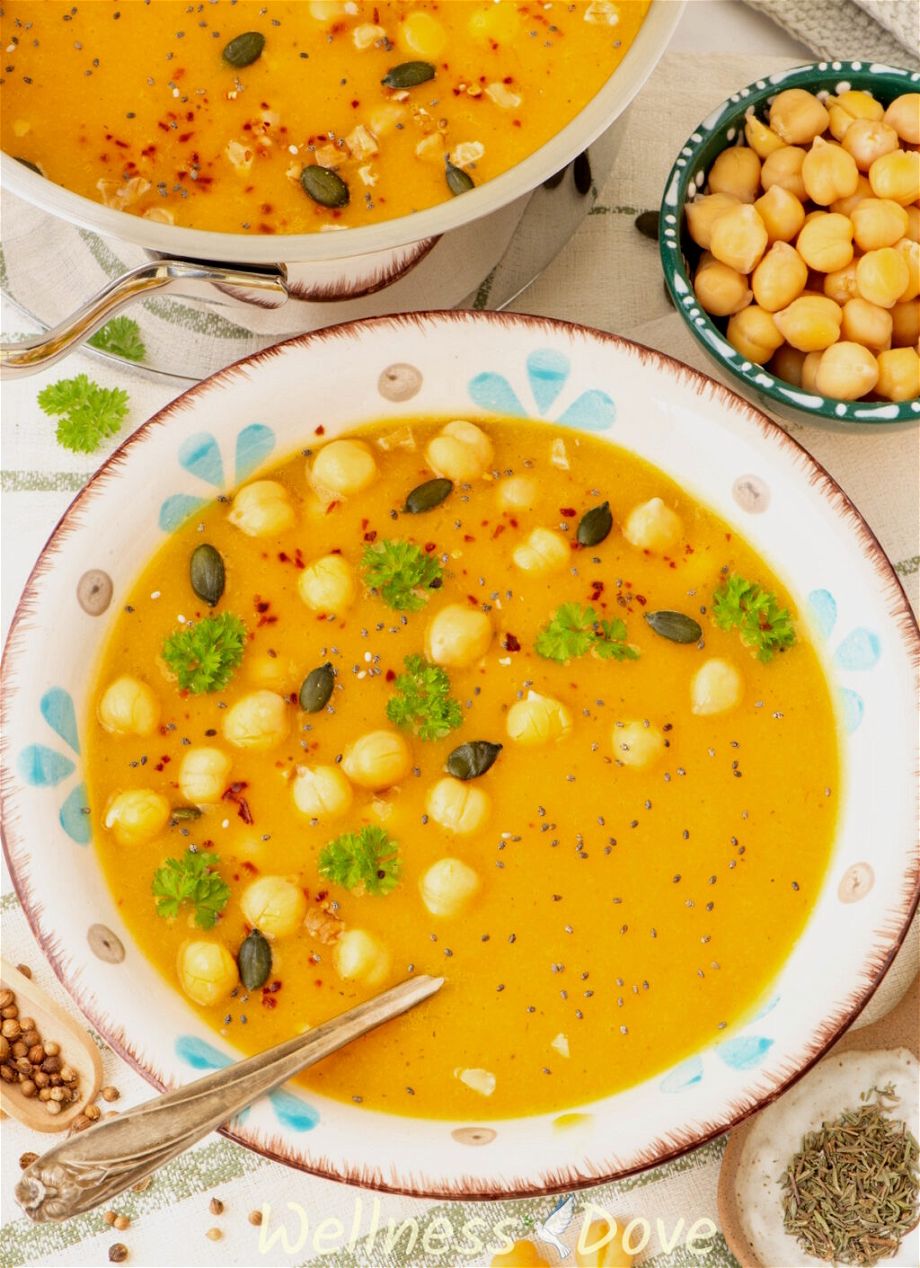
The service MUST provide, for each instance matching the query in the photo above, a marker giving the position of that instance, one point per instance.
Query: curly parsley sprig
(574, 630)
(191, 879)
(398, 571)
(205, 654)
(122, 338)
(763, 625)
(87, 414)
(423, 702)
(367, 861)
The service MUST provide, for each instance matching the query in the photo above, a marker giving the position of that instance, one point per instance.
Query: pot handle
(40, 351)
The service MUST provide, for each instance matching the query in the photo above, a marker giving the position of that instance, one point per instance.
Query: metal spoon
(95, 1165)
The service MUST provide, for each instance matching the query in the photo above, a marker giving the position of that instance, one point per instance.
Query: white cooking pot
(317, 267)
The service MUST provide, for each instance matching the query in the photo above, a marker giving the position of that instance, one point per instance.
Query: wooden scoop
(77, 1050)
(897, 1029)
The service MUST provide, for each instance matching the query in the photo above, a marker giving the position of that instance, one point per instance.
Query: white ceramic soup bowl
(472, 364)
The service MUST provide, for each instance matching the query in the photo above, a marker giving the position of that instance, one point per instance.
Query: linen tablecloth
(607, 277)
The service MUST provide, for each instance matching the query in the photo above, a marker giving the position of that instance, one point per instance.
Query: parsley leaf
(204, 654)
(367, 861)
(398, 570)
(122, 337)
(574, 630)
(764, 626)
(424, 703)
(87, 413)
(191, 879)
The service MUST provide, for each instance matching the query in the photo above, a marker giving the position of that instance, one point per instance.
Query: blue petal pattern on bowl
(857, 652)
(547, 374)
(290, 1110)
(44, 767)
(200, 456)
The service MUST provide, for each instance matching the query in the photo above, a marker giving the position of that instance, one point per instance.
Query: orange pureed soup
(544, 725)
(277, 117)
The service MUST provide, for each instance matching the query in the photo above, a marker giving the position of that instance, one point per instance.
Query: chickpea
(739, 238)
(258, 721)
(811, 323)
(377, 759)
(653, 526)
(449, 887)
(882, 276)
(878, 222)
(753, 332)
(810, 370)
(203, 775)
(458, 806)
(544, 551)
(128, 707)
(498, 24)
(274, 905)
(826, 242)
(844, 206)
(786, 364)
(779, 278)
(840, 285)
(636, 744)
(736, 171)
(538, 720)
(829, 172)
(461, 452)
(784, 167)
(518, 493)
(781, 212)
(423, 34)
(262, 509)
(849, 106)
(360, 956)
(278, 673)
(458, 636)
(716, 687)
(910, 252)
(328, 585)
(702, 214)
(760, 138)
(904, 116)
(847, 371)
(720, 290)
(898, 374)
(343, 468)
(905, 324)
(867, 324)
(207, 971)
(136, 815)
(866, 140)
(798, 116)
(322, 792)
(326, 10)
(897, 176)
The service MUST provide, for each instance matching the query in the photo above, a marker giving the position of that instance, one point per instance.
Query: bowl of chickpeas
(790, 241)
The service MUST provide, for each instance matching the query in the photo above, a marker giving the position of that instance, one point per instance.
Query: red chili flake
(468, 537)
(272, 988)
(319, 431)
(364, 524)
(568, 511)
(249, 867)
(598, 587)
(640, 598)
(269, 1001)
(390, 675)
(430, 547)
(123, 145)
(497, 531)
(472, 599)
(688, 549)
(262, 605)
(336, 550)
(183, 137)
(355, 104)
(728, 537)
(331, 507)
(510, 643)
(242, 809)
(266, 209)
(371, 536)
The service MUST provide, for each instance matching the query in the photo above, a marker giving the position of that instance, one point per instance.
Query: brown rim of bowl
(560, 1180)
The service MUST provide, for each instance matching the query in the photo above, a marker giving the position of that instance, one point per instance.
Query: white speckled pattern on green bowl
(725, 127)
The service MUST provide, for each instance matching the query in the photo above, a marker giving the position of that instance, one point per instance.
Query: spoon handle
(93, 1166)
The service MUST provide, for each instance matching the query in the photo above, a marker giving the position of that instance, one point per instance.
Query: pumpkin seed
(425, 497)
(255, 960)
(317, 688)
(647, 223)
(324, 186)
(458, 181)
(595, 525)
(206, 573)
(244, 49)
(184, 814)
(675, 626)
(408, 75)
(473, 759)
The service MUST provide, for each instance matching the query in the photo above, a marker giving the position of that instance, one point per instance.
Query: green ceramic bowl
(679, 254)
